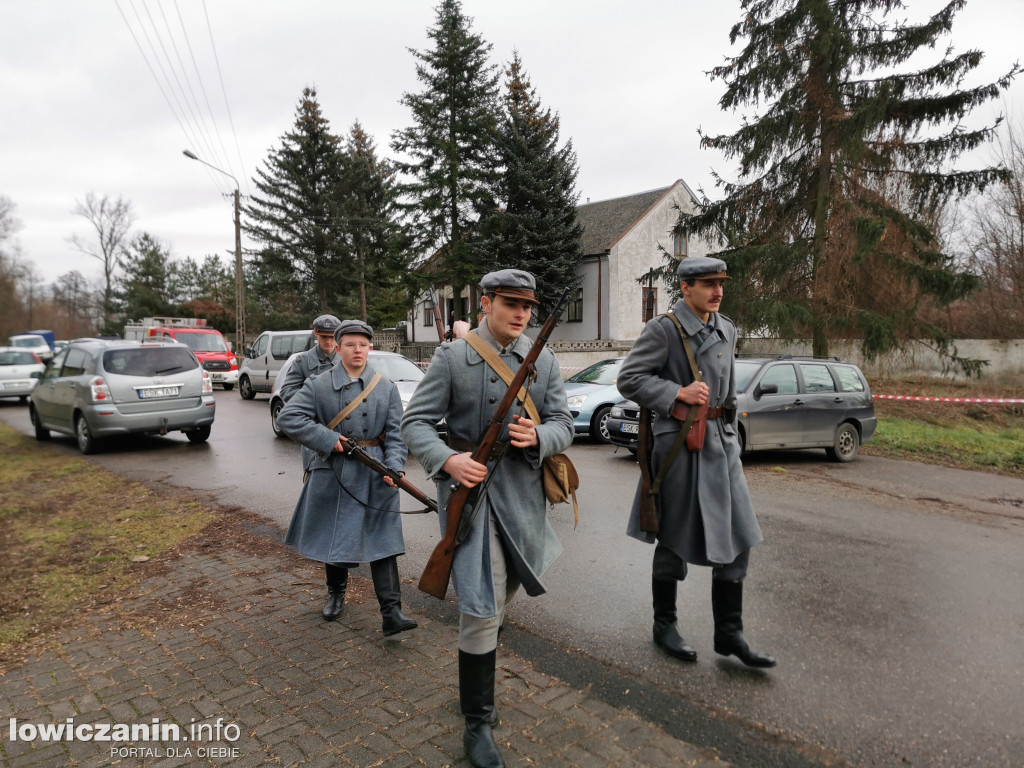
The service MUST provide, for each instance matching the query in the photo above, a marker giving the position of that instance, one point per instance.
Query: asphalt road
(889, 591)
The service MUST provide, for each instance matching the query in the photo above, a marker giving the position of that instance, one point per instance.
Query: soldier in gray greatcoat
(511, 541)
(348, 514)
(313, 361)
(704, 511)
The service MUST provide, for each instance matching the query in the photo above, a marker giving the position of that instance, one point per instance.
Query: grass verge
(979, 436)
(73, 536)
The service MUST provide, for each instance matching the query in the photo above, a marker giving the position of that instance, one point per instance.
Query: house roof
(605, 221)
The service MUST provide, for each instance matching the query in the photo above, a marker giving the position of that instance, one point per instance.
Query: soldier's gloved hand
(464, 470)
(522, 432)
(693, 394)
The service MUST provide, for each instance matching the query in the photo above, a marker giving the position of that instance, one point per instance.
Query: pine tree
(451, 146)
(369, 216)
(146, 286)
(294, 213)
(831, 228)
(535, 226)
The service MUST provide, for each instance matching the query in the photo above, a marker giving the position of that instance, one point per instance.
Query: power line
(227, 105)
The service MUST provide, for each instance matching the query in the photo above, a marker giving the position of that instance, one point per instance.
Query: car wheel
(42, 433)
(245, 388)
(86, 442)
(846, 445)
(200, 435)
(228, 387)
(275, 409)
(599, 425)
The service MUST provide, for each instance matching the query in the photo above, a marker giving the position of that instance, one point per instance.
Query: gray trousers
(668, 566)
(479, 636)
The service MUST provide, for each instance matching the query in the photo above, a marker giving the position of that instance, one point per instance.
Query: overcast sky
(83, 112)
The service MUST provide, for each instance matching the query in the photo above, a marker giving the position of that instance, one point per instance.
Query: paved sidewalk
(227, 634)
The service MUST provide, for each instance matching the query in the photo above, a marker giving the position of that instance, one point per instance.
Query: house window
(575, 314)
(649, 303)
(679, 245)
(428, 315)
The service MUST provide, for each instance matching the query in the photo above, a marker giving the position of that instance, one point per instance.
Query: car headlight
(616, 412)
(577, 401)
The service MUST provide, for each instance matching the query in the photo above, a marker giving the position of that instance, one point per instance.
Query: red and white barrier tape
(996, 400)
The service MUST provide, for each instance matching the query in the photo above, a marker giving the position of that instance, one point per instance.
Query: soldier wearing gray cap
(511, 542)
(313, 361)
(704, 512)
(348, 514)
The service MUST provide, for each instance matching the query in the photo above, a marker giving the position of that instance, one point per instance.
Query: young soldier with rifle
(692, 499)
(348, 513)
(503, 538)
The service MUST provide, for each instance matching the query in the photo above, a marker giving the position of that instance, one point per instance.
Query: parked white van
(263, 360)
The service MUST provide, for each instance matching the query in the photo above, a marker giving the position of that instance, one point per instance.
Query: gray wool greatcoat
(705, 513)
(328, 524)
(304, 366)
(460, 387)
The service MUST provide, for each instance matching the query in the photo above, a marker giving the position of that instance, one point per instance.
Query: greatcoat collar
(520, 349)
(341, 379)
(692, 324)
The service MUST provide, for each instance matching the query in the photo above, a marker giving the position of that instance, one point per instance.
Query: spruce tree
(535, 226)
(147, 283)
(369, 216)
(830, 229)
(450, 148)
(293, 214)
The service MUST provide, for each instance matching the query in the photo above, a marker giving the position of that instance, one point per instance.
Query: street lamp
(239, 281)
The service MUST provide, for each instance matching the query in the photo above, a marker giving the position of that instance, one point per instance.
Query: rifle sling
(355, 403)
(691, 413)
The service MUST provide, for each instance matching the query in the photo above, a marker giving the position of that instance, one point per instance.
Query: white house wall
(587, 329)
(635, 254)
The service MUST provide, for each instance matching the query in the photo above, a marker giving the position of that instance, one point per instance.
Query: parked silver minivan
(95, 388)
(263, 360)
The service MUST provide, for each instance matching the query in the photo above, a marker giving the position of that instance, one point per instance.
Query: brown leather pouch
(699, 428)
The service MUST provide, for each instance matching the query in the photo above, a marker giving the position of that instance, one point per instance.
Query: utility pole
(239, 276)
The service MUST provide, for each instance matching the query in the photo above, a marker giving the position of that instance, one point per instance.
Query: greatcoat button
(493, 379)
(493, 400)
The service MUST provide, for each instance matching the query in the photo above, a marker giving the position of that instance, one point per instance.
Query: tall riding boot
(389, 595)
(476, 695)
(337, 583)
(666, 633)
(727, 606)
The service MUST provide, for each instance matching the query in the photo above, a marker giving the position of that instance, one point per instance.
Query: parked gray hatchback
(96, 388)
(785, 403)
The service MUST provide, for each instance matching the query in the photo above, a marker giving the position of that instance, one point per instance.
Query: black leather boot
(337, 583)
(666, 633)
(389, 595)
(727, 606)
(476, 696)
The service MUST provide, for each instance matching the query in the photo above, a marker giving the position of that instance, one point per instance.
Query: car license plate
(145, 394)
(631, 429)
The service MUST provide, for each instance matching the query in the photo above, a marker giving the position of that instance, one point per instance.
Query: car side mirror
(767, 389)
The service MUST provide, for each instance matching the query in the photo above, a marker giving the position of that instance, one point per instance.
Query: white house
(622, 242)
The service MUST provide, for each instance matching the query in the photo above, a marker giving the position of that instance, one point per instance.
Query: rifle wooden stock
(438, 571)
(361, 455)
(438, 323)
(648, 519)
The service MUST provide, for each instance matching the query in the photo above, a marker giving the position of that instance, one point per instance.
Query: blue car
(592, 393)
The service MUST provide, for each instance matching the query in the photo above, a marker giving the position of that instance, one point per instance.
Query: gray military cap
(353, 326)
(694, 267)
(326, 324)
(511, 283)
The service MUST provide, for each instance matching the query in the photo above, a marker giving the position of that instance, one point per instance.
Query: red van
(208, 343)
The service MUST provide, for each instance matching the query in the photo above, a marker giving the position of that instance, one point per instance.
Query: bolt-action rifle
(362, 455)
(438, 572)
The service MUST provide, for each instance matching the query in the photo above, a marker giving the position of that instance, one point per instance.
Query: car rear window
(148, 361)
(817, 378)
(28, 341)
(849, 379)
(17, 358)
